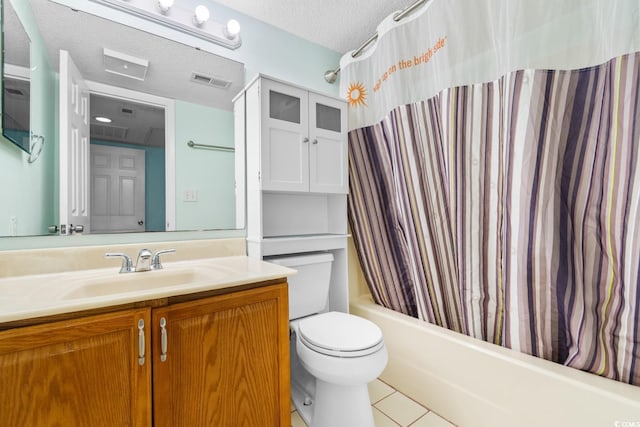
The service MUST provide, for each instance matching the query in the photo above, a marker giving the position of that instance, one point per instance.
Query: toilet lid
(340, 334)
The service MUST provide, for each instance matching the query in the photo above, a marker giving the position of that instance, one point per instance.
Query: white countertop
(38, 295)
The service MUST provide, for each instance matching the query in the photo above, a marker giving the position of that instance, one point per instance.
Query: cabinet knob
(315, 141)
(304, 140)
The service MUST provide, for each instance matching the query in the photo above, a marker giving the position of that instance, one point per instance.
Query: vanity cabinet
(226, 361)
(218, 360)
(80, 372)
(301, 138)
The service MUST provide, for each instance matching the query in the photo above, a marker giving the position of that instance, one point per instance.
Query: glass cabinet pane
(328, 118)
(284, 107)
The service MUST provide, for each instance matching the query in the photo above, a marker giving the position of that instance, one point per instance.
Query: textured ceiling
(339, 25)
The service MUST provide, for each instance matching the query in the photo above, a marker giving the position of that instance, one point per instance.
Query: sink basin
(141, 281)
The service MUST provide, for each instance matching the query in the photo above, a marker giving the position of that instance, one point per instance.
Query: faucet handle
(127, 265)
(155, 261)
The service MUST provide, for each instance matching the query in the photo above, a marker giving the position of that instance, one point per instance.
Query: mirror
(183, 94)
(15, 80)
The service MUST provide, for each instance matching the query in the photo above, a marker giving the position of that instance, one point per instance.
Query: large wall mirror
(148, 98)
(15, 80)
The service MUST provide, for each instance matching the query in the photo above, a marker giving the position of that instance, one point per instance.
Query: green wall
(32, 183)
(198, 170)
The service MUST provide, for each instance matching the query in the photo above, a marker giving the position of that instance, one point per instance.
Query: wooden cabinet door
(285, 137)
(226, 361)
(81, 372)
(328, 169)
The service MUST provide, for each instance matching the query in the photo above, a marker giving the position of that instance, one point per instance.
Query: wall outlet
(13, 226)
(190, 196)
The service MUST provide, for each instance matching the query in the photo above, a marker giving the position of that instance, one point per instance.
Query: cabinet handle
(141, 345)
(304, 140)
(315, 141)
(163, 339)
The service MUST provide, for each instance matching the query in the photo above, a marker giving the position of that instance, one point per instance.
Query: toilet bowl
(334, 355)
(343, 353)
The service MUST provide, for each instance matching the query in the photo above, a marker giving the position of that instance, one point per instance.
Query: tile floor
(392, 409)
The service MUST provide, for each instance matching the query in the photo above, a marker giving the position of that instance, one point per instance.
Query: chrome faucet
(127, 265)
(155, 261)
(145, 262)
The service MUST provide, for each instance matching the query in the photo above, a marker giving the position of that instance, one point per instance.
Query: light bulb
(232, 29)
(165, 5)
(201, 15)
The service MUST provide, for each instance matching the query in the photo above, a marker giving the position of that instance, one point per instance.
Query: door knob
(140, 222)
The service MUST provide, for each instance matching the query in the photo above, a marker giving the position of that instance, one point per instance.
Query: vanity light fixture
(195, 22)
(232, 29)
(201, 15)
(165, 5)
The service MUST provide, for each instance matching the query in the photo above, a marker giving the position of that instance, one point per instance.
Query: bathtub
(473, 383)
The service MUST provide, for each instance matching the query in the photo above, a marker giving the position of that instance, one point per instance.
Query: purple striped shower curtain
(510, 211)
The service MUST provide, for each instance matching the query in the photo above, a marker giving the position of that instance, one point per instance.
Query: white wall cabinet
(297, 174)
(304, 140)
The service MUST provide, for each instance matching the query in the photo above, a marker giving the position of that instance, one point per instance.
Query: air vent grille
(14, 92)
(210, 81)
(109, 132)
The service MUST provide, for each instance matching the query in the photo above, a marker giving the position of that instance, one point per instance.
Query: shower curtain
(494, 174)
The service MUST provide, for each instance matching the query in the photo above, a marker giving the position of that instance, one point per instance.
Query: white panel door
(285, 138)
(328, 155)
(117, 189)
(74, 147)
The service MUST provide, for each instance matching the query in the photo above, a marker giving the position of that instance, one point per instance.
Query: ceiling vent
(109, 132)
(14, 92)
(216, 82)
(124, 65)
(126, 111)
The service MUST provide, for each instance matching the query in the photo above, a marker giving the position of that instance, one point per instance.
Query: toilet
(334, 355)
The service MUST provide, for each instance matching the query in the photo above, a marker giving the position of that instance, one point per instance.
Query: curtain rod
(331, 75)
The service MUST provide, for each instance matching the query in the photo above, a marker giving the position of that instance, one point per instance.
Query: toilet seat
(340, 335)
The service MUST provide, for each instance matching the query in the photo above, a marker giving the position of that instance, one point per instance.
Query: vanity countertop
(31, 296)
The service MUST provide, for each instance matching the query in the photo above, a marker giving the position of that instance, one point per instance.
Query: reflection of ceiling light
(201, 15)
(181, 17)
(102, 119)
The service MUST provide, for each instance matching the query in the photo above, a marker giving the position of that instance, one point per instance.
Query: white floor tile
(378, 391)
(382, 420)
(432, 419)
(401, 409)
(296, 421)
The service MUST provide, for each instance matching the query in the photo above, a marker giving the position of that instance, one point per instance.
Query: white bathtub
(474, 383)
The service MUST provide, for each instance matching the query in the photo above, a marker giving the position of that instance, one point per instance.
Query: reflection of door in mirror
(108, 193)
(117, 189)
(15, 82)
(127, 166)
(74, 148)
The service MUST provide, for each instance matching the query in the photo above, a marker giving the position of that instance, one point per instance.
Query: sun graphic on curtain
(356, 94)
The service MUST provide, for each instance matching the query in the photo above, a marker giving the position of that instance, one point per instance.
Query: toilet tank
(309, 288)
